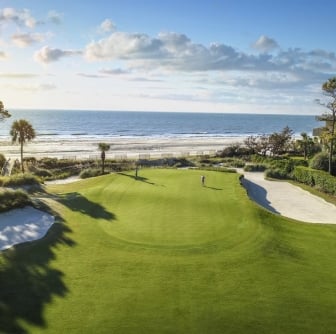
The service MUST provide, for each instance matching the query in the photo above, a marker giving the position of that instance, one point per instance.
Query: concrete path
(288, 200)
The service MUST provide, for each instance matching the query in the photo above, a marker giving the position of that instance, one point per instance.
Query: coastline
(120, 147)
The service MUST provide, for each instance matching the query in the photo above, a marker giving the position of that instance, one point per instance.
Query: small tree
(251, 142)
(280, 141)
(103, 147)
(329, 90)
(306, 145)
(3, 113)
(21, 132)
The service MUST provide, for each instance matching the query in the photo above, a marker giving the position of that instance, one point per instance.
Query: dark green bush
(255, 168)
(2, 160)
(321, 162)
(233, 162)
(42, 172)
(19, 180)
(234, 150)
(276, 173)
(319, 179)
(58, 176)
(183, 162)
(220, 169)
(277, 167)
(11, 199)
(53, 163)
(90, 172)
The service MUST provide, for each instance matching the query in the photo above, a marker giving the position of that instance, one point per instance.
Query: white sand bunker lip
(22, 225)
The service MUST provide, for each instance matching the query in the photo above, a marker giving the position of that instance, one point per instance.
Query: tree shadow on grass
(28, 282)
(138, 178)
(77, 202)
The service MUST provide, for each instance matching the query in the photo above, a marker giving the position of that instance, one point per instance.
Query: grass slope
(164, 255)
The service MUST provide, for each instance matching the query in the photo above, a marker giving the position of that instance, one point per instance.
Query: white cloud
(107, 26)
(113, 71)
(91, 76)
(26, 39)
(265, 44)
(48, 55)
(55, 17)
(18, 75)
(121, 45)
(18, 16)
(176, 53)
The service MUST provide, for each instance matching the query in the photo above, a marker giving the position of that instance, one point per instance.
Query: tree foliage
(22, 132)
(3, 112)
(329, 136)
(307, 145)
(275, 143)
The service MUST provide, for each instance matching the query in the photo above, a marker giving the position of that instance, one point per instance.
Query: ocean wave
(48, 134)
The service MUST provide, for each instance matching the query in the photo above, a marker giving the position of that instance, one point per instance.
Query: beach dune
(121, 147)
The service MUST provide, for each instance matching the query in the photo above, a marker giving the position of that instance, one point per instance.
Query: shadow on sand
(258, 194)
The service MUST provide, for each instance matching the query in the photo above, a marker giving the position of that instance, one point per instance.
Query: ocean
(56, 125)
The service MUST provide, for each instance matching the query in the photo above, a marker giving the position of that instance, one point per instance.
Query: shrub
(90, 172)
(60, 176)
(321, 162)
(19, 180)
(255, 168)
(42, 172)
(31, 160)
(11, 199)
(320, 179)
(234, 150)
(233, 162)
(276, 173)
(53, 163)
(303, 175)
(183, 162)
(2, 160)
(220, 169)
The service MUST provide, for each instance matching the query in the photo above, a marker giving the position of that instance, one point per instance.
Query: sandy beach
(121, 147)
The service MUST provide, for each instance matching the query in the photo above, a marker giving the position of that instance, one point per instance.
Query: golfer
(203, 180)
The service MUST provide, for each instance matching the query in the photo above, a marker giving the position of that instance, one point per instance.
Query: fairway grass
(162, 254)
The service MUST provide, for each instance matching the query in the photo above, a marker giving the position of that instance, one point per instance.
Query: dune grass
(162, 254)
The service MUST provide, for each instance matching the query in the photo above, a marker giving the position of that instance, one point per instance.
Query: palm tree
(103, 147)
(21, 132)
(305, 144)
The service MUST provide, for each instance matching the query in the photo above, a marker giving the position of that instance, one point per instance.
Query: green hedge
(11, 199)
(316, 178)
(90, 172)
(255, 168)
(19, 180)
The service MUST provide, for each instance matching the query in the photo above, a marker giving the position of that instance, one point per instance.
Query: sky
(237, 56)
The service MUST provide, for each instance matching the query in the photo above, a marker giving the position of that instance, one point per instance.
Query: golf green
(164, 254)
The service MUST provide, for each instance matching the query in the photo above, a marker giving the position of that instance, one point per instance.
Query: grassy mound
(162, 254)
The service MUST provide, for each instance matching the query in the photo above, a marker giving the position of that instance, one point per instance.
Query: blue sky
(250, 56)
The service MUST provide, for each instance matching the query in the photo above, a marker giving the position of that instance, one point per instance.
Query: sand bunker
(288, 200)
(22, 225)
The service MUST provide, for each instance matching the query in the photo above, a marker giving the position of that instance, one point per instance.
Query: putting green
(170, 208)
